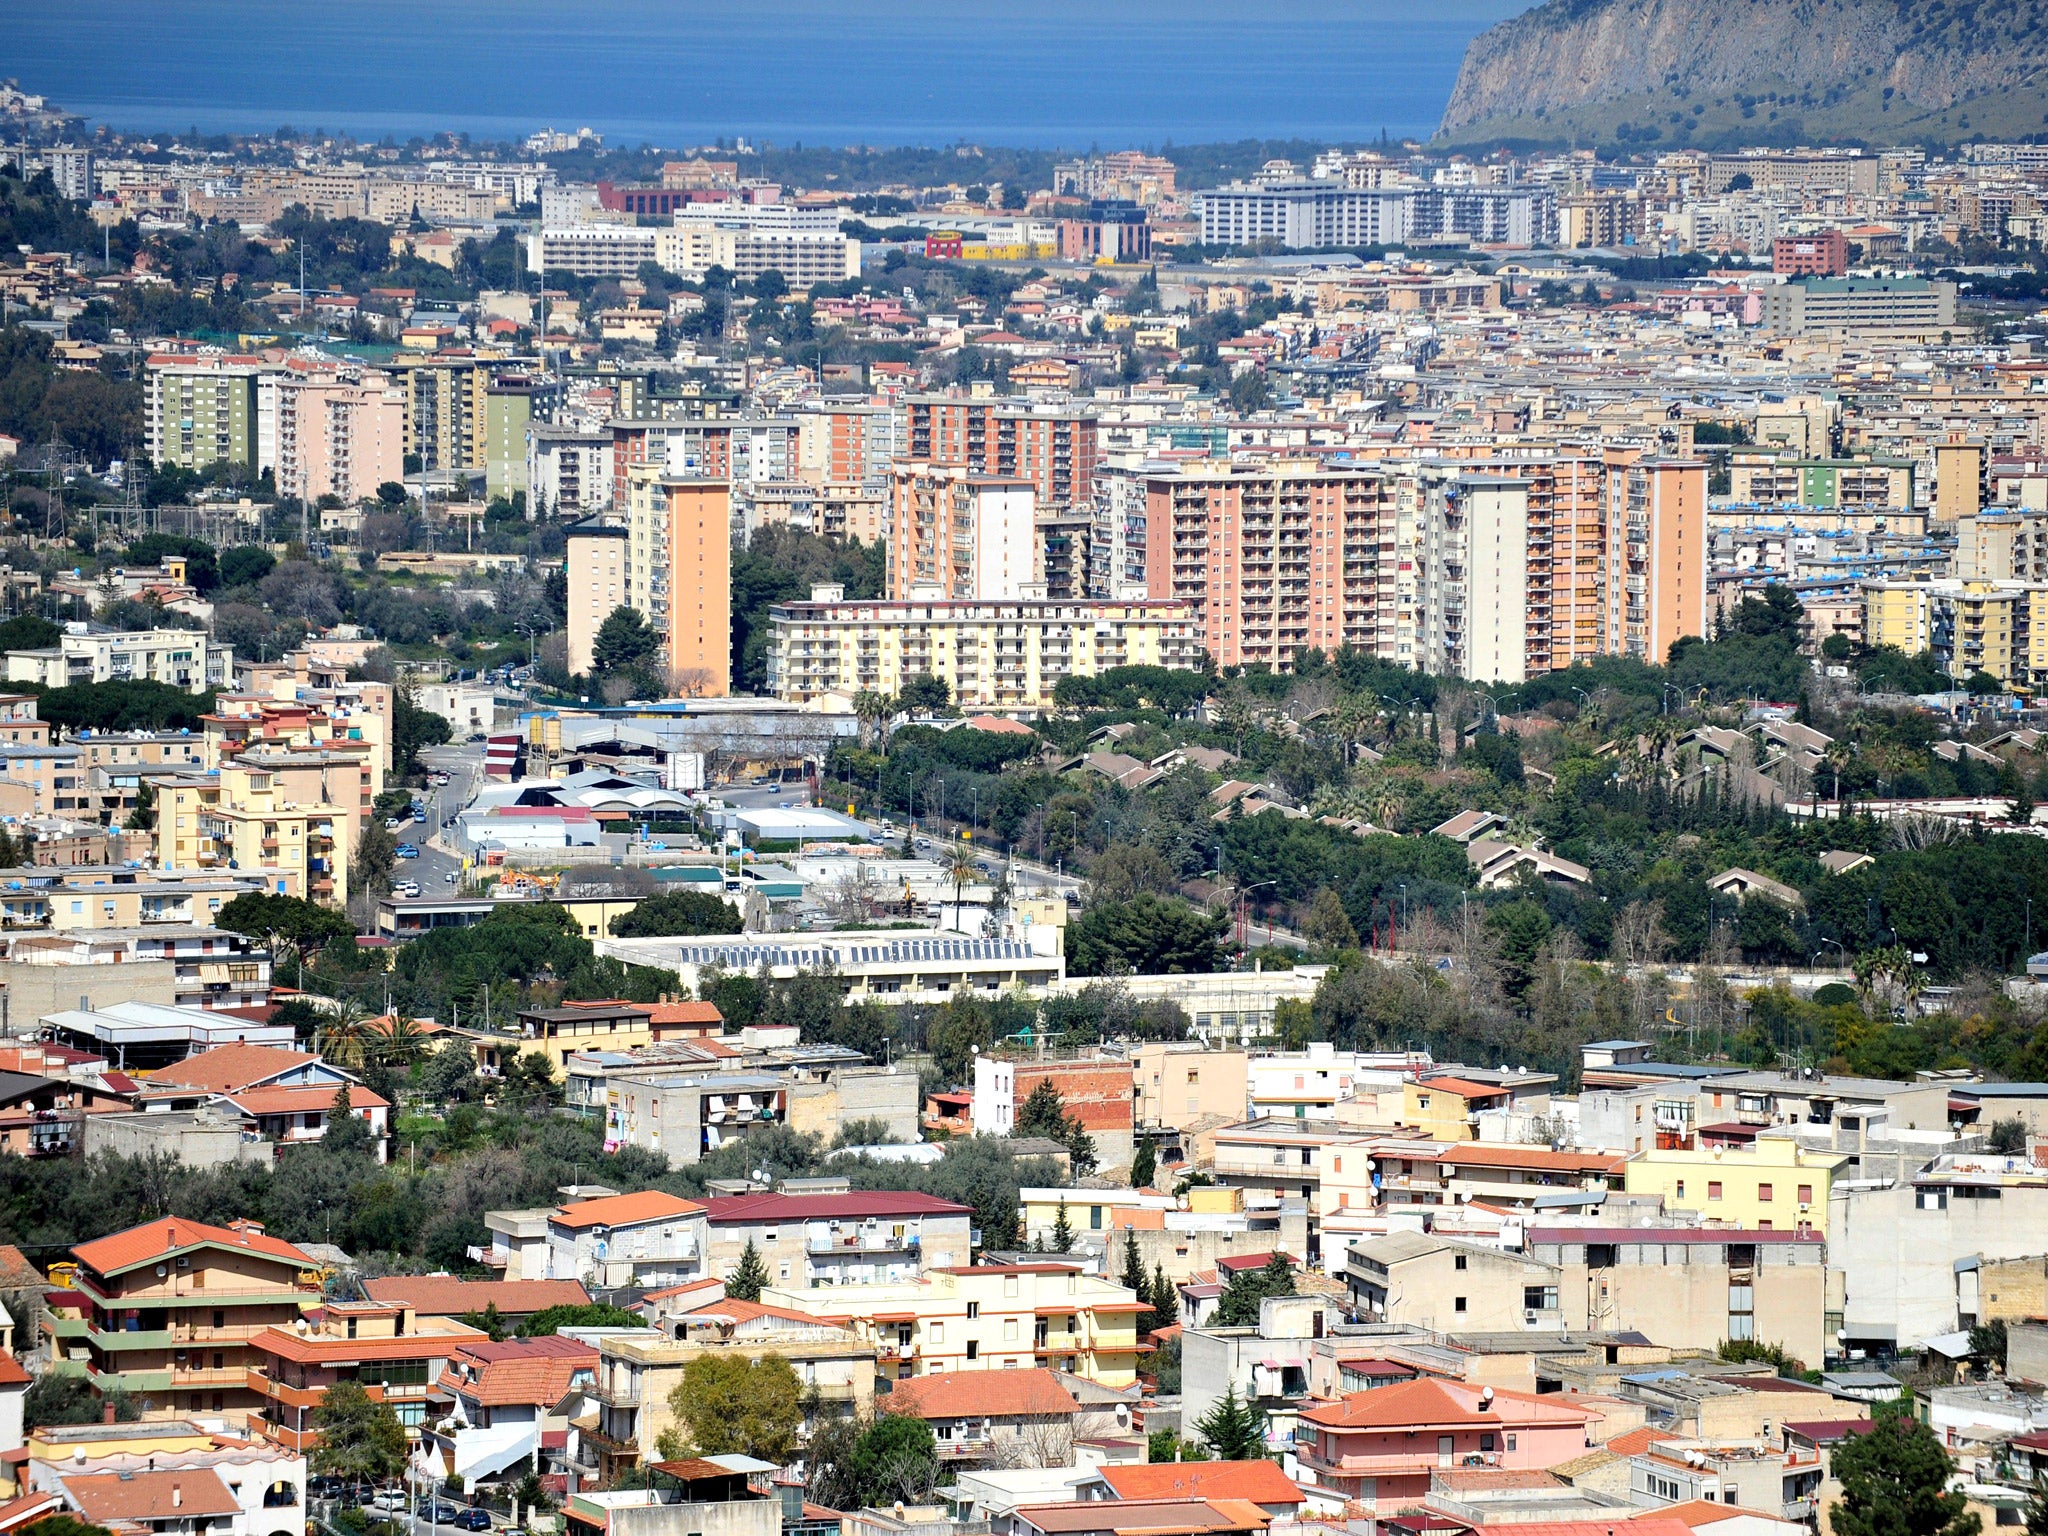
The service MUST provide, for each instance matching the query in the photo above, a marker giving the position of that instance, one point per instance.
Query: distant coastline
(1059, 74)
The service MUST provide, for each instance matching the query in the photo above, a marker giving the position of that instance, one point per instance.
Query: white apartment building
(568, 470)
(180, 658)
(1473, 571)
(925, 967)
(1002, 655)
(646, 1239)
(597, 564)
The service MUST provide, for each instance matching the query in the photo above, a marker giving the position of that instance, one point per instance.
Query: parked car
(407, 851)
(391, 1500)
(326, 1487)
(473, 1520)
(393, 823)
(440, 1514)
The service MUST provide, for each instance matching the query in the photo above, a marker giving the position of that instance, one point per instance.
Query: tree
(733, 1406)
(346, 1130)
(897, 1458)
(245, 565)
(1238, 1307)
(569, 1315)
(747, 1278)
(1147, 936)
(1144, 1164)
(360, 1440)
(677, 913)
(2009, 1136)
(1328, 925)
(1988, 1343)
(1062, 1229)
(488, 1322)
(1894, 1480)
(305, 925)
(54, 1399)
(1234, 1429)
(1165, 1299)
(1044, 1114)
(923, 694)
(624, 640)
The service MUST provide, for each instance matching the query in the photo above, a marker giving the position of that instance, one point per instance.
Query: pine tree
(1133, 1278)
(1239, 1305)
(1165, 1300)
(1144, 1164)
(1235, 1429)
(1062, 1230)
(746, 1280)
(1895, 1482)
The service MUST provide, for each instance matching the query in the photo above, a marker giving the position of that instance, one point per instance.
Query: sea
(1047, 74)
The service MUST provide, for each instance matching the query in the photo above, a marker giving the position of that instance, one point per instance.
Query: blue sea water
(1048, 73)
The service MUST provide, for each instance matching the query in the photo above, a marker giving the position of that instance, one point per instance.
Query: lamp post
(1243, 932)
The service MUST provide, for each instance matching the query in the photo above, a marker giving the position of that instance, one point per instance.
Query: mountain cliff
(1724, 72)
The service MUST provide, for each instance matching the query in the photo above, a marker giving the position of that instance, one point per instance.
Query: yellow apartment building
(1774, 1185)
(1000, 655)
(246, 817)
(1996, 627)
(597, 584)
(165, 1311)
(1007, 1317)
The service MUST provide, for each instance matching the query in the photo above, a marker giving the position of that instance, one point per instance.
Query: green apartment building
(200, 411)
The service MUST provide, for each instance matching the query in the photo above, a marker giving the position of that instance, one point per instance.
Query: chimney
(107, 1413)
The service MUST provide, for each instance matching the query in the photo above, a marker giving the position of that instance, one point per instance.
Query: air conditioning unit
(1528, 1317)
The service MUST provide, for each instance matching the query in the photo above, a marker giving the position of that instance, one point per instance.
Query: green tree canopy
(1147, 935)
(677, 913)
(625, 640)
(1238, 1307)
(734, 1406)
(1234, 1429)
(748, 1276)
(360, 1439)
(1894, 1480)
(594, 1314)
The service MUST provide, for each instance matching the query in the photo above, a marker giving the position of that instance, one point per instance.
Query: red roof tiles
(154, 1240)
(446, 1296)
(982, 1394)
(1260, 1482)
(623, 1210)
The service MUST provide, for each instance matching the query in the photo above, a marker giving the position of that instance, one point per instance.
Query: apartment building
(803, 256)
(1783, 480)
(568, 471)
(245, 816)
(1175, 1084)
(177, 658)
(447, 410)
(684, 447)
(857, 1238)
(1862, 308)
(1995, 627)
(994, 1317)
(844, 443)
(167, 1312)
(1271, 557)
(201, 411)
(1775, 1185)
(1057, 451)
(637, 1372)
(597, 562)
(1006, 656)
(337, 432)
(1317, 213)
(166, 1475)
(1658, 536)
(959, 535)
(1428, 1281)
(395, 1355)
(1099, 1094)
(678, 574)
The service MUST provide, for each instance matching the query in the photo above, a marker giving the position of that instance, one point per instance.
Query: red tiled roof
(743, 1311)
(301, 1101)
(33, 1506)
(1636, 1441)
(1429, 1402)
(11, 1373)
(537, 1371)
(996, 1394)
(187, 1494)
(687, 1013)
(623, 1210)
(154, 1239)
(855, 1206)
(1464, 1088)
(226, 1068)
(1259, 1482)
(446, 1296)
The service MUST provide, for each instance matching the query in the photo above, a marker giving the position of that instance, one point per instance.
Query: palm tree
(344, 1038)
(402, 1041)
(960, 869)
(871, 709)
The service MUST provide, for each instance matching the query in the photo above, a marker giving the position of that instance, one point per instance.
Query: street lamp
(1243, 933)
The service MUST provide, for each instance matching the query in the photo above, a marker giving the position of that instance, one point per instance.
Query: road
(439, 858)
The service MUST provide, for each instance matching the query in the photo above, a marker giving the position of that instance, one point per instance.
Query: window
(1539, 1298)
(1009, 1330)
(974, 1349)
(1009, 1285)
(973, 1309)
(1806, 1194)
(1713, 1189)
(1681, 1189)
(1458, 1261)
(1763, 1194)
(1511, 1440)
(938, 1333)
(1457, 1304)
(1486, 1442)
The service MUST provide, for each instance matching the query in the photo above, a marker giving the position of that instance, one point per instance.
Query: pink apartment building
(339, 434)
(1381, 1447)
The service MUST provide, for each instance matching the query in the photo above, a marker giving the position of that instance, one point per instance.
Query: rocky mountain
(1725, 72)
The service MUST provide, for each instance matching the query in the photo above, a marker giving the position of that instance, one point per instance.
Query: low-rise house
(1745, 883)
(839, 1239)
(286, 1096)
(446, 1296)
(1010, 1418)
(394, 1354)
(170, 1476)
(682, 1498)
(506, 1397)
(1428, 1281)
(1254, 1482)
(1381, 1447)
(649, 1238)
(1139, 1517)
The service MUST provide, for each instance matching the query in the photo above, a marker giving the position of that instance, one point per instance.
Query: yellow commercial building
(1006, 654)
(1995, 627)
(1007, 1317)
(1773, 1185)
